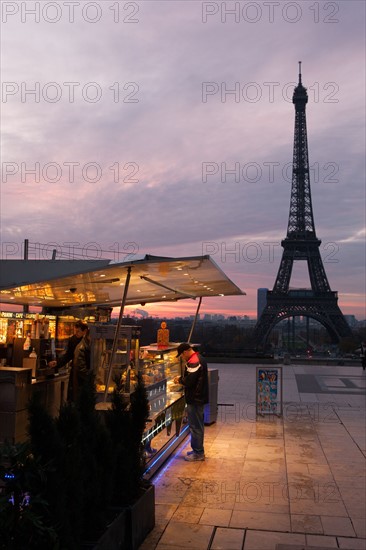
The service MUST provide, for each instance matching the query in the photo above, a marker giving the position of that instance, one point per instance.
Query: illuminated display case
(18, 325)
(15, 327)
(125, 361)
(159, 365)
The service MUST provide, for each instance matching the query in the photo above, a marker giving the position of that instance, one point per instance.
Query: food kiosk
(80, 291)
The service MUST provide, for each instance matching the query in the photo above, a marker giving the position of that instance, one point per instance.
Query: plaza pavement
(272, 483)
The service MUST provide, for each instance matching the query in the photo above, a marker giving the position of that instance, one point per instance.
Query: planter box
(132, 525)
(140, 518)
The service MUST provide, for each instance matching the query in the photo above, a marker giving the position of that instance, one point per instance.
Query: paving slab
(320, 540)
(228, 539)
(188, 535)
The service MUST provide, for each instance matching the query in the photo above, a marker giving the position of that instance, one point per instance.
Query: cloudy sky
(166, 127)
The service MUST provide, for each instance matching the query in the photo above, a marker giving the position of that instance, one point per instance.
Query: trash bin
(211, 407)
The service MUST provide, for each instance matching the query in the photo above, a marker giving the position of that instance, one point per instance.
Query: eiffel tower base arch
(323, 307)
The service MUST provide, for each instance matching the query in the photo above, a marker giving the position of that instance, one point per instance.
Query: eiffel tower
(301, 243)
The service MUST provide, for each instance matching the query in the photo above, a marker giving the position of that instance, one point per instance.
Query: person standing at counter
(81, 364)
(195, 383)
(80, 331)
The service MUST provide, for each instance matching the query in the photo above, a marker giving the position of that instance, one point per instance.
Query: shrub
(126, 423)
(87, 463)
(25, 521)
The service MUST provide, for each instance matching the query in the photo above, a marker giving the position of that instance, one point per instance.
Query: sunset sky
(166, 128)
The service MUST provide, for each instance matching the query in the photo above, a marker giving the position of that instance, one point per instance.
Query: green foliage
(55, 443)
(97, 453)
(63, 480)
(46, 444)
(69, 468)
(139, 416)
(82, 466)
(126, 422)
(25, 522)
(119, 426)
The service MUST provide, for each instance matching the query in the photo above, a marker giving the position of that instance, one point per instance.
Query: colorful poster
(269, 391)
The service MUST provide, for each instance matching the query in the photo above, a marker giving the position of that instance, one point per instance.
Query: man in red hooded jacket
(195, 382)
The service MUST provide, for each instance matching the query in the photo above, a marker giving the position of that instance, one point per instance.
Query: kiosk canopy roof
(153, 279)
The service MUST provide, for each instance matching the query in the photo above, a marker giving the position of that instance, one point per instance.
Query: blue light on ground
(166, 467)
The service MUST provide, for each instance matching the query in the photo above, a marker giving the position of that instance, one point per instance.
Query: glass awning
(153, 279)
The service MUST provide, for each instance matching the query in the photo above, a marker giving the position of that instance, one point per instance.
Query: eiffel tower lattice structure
(301, 243)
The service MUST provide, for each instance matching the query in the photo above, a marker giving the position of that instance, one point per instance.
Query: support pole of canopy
(26, 250)
(114, 347)
(195, 320)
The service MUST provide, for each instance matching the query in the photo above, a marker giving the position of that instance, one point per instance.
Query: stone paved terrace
(272, 483)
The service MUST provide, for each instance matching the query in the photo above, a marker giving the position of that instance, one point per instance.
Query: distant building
(351, 320)
(261, 300)
(191, 317)
(218, 317)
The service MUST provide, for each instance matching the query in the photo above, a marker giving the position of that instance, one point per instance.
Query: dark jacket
(81, 361)
(195, 382)
(69, 353)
